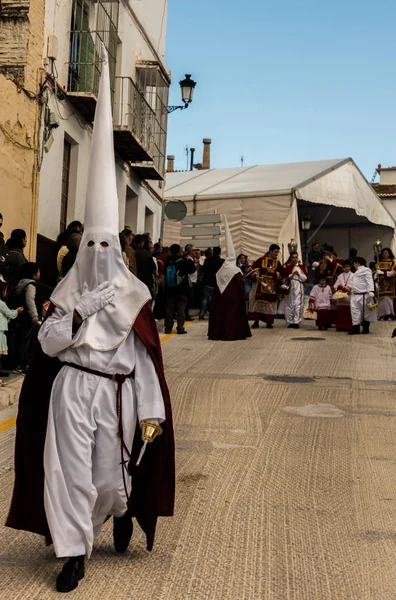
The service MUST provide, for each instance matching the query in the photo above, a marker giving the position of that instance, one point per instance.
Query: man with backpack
(177, 270)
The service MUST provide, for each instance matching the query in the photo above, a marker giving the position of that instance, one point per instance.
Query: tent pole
(320, 226)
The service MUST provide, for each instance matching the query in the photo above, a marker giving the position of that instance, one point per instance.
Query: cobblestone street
(286, 470)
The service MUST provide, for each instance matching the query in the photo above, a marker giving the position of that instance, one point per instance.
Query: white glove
(315, 265)
(379, 272)
(390, 274)
(370, 298)
(92, 302)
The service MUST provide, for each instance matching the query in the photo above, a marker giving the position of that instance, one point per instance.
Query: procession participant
(265, 274)
(227, 309)
(330, 266)
(362, 296)
(384, 276)
(320, 301)
(344, 284)
(296, 275)
(97, 376)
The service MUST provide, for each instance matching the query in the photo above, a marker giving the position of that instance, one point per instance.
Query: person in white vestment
(362, 297)
(295, 275)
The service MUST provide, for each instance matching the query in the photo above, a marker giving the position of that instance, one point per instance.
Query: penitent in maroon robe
(153, 482)
(227, 312)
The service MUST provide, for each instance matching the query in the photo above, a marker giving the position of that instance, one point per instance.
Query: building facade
(50, 64)
(21, 58)
(133, 33)
(386, 188)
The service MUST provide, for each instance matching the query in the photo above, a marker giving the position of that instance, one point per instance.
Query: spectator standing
(129, 251)
(177, 285)
(61, 243)
(29, 297)
(314, 255)
(3, 247)
(15, 258)
(73, 245)
(145, 264)
(209, 269)
(6, 315)
(189, 254)
(243, 264)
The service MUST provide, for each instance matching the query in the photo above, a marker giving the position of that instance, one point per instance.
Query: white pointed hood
(100, 257)
(229, 268)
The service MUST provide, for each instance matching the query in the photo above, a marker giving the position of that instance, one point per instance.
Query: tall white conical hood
(229, 268)
(102, 186)
(100, 257)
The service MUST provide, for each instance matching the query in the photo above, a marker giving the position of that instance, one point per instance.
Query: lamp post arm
(171, 109)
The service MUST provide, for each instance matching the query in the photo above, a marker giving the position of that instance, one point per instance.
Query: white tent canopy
(262, 204)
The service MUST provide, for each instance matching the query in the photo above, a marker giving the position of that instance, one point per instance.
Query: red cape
(227, 312)
(153, 483)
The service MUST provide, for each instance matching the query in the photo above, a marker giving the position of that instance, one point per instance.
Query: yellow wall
(19, 129)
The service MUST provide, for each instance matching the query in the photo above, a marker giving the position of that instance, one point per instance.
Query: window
(65, 184)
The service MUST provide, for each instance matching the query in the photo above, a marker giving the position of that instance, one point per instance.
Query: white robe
(362, 294)
(294, 301)
(82, 455)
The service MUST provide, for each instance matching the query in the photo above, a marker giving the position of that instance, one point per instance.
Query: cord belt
(118, 380)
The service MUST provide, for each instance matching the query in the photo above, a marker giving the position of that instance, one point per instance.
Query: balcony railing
(139, 130)
(92, 24)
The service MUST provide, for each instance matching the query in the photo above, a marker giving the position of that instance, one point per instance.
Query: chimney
(206, 153)
(192, 151)
(171, 164)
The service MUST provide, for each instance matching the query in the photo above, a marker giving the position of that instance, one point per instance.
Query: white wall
(388, 177)
(152, 15)
(390, 205)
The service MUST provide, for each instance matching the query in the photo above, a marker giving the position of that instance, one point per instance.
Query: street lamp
(187, 87)
(305, 226)
(377, 247)
(292, 246)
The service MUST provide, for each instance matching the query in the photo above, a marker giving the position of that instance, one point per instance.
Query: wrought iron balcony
(92, 24)
(139, 129)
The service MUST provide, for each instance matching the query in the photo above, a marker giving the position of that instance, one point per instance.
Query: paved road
(286, 461)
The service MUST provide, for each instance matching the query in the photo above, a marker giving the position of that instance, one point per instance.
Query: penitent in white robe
(82, 455)
(294, 301)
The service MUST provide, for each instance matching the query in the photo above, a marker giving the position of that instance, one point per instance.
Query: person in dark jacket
(208, 278)
(145, 264)
(15, 258)
(177, 271)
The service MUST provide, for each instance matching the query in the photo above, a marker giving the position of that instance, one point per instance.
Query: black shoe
(182, 331)
(291, 326)
(202, 318)
(122, 532)
(355, 330)
(296, 326)
(270, 326)
(255, 325)
(168, 332)
(366, 328)
(73, 571)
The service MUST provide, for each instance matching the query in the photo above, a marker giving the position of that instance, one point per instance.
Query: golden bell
(150, 430)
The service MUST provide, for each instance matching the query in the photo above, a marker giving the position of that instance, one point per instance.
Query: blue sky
(284, 81)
